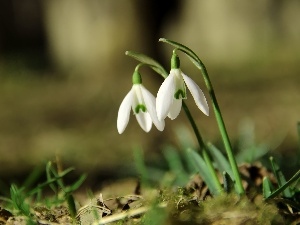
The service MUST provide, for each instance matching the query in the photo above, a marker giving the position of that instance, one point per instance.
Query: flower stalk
(195, 59)
(203, 149)
(223, 131)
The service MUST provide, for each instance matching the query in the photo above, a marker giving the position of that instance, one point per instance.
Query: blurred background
(63, 75)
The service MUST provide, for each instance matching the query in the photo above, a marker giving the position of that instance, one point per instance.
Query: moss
(225, 209)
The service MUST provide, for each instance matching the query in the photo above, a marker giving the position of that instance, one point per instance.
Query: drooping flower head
(142, 103)
(173, 90)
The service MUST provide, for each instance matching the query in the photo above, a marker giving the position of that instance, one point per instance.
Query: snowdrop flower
(173, 90)
(142, 103)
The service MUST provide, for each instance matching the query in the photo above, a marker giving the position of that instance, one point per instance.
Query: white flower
(173, 90)
(142, 103)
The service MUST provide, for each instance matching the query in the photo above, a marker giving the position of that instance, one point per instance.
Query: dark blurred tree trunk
(22, 30)
(153, 14)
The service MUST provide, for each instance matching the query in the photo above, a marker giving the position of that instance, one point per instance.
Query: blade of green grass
(286, 185)
(222, 163)
(267, 187)
(76, 184)
(33, 177)
(49, 176)
(71, 205)
(252, 153)
(174, 161)
(228, 182)
(280, 178)
(185, 137)
(18, 200)
(50, 181)
(199, 163)
(55, 173)
(141, 167)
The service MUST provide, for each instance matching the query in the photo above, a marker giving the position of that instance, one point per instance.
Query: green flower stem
(198, 63)
(223, 131)
(203, 148)
(160, 70)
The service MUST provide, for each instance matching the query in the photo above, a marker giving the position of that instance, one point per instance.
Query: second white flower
(173, 90)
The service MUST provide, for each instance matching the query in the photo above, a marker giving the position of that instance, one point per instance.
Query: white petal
(165, 96)
(145, 121)
(197, 94)
(124, 112)
(150, 105)
(175, 109)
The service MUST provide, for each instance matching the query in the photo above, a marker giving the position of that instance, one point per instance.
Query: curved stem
(198, 63)
(203, 148)
(223, 131)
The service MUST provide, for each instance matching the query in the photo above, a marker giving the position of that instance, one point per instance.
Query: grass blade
(174, 161)
(141, 167)
(267, 187)
(49, 176)
(77, 184)
(286, 185)
(228, 182)
(33, 177)
(18, 199)
(199, 163)
(222, 163)
(280, 178)
(71, 205)
(50, 181)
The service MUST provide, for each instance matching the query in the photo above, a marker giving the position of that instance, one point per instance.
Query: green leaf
(228, 182)
(18, 199)
(33, 177)
(199, 163)
(252, 153)
(280, 178)
(148, 61)
(49, 176)
(174, 161)
(76, 184)
(221, 162)
(71, 205)
(50, 181)
(286, 185)
(141, 167)
(267, 187)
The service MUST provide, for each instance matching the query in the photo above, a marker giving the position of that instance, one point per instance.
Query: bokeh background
(63, 75)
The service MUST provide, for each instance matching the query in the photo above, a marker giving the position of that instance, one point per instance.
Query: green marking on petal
(178, 93)
(140, 107)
